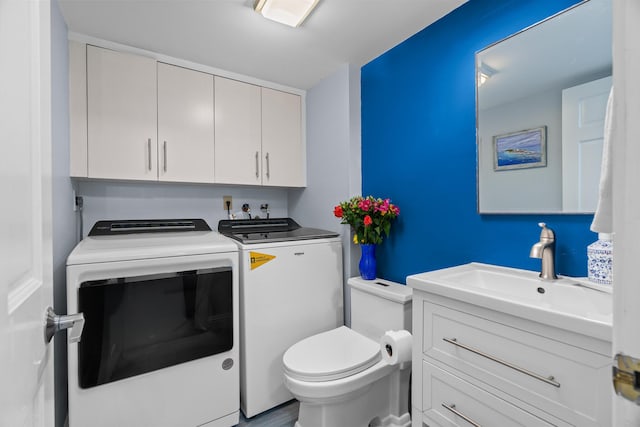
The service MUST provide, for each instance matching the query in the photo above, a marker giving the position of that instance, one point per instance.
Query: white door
(583, 111)
(26, 387)
(626, 197)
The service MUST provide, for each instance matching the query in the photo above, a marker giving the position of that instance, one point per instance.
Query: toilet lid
(331, 355)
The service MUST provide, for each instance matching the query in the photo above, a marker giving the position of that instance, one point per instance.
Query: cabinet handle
(257, 164)
(453, 409)
(149, 151)
(549, 380)
(164, 149)
(268, 168)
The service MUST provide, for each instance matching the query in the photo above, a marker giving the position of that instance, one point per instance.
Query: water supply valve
(246, 209)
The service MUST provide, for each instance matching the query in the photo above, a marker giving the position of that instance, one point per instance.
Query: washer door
(145, 323)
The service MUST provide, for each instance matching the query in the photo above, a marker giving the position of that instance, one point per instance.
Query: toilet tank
(378, 306)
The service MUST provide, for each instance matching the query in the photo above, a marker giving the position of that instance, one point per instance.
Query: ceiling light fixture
(288, 12)
(485, 72)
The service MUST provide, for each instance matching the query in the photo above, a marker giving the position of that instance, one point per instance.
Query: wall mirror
(541, 97)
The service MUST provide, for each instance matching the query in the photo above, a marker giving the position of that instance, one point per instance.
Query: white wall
(333, 159)
(151, 200)
(523, 190)
(63, 216)
(529, 190)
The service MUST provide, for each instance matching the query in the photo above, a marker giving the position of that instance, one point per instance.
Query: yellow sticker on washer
(258, 259)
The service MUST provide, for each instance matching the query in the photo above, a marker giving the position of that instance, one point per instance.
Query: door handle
(56, 323)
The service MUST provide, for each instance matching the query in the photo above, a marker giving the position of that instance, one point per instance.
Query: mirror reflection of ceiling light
(288, 12)
(485, 72)
(482, 78)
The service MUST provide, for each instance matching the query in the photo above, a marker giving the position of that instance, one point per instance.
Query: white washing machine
(290, 288)
(160, 340)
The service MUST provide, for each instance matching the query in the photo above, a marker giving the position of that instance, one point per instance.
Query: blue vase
(368, 261)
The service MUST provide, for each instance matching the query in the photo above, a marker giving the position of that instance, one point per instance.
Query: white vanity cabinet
(121, 115)
(258, 135)
(475, 365)
(185, 125)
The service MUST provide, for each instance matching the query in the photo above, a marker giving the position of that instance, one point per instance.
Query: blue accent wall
(419, 149)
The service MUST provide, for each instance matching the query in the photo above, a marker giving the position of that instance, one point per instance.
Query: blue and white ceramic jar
(600, 256)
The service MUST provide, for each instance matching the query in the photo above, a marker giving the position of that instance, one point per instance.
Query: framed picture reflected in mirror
(520, 150)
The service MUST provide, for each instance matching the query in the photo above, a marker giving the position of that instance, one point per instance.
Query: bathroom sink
(566, 303)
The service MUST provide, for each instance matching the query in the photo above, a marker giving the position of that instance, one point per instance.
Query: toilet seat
(330, 355)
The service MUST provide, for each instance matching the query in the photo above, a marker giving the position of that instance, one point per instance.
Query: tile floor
(284, 415)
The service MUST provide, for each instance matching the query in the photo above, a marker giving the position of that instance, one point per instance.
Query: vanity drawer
(565, 381)
(450, 401)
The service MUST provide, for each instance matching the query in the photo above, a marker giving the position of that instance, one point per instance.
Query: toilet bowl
(340, 377)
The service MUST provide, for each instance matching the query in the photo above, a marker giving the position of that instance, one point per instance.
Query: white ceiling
(571, 48)
(229, 35)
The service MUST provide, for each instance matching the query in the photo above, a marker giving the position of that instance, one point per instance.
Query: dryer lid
(331, 355)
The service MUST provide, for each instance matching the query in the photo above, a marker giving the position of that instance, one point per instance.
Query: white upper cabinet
(185, 125)
(238, 132)
(258, 135)
(77, 109)
(121, 115)
(134, 118)
(282, 151)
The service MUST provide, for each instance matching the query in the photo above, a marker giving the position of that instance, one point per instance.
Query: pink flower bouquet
(369, 217)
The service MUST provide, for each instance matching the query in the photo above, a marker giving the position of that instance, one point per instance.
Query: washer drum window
(141, 324)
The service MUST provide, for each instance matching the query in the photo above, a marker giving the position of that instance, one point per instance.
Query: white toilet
(339, 376)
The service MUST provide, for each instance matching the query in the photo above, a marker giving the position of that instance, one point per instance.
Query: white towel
(603, 218)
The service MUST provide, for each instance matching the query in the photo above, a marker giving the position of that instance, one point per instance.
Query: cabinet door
(122, 109)
(282, 150)
(237, 132)
(185, 125)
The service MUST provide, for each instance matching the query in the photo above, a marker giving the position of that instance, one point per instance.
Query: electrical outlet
(227, 200)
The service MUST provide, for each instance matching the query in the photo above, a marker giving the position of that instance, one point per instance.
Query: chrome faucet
(545, 249)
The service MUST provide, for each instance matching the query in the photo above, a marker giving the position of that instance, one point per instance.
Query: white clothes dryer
(160, 341)
(290, 288)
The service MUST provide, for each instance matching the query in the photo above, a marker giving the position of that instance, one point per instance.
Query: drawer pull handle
(549, 380)
(453, 409)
